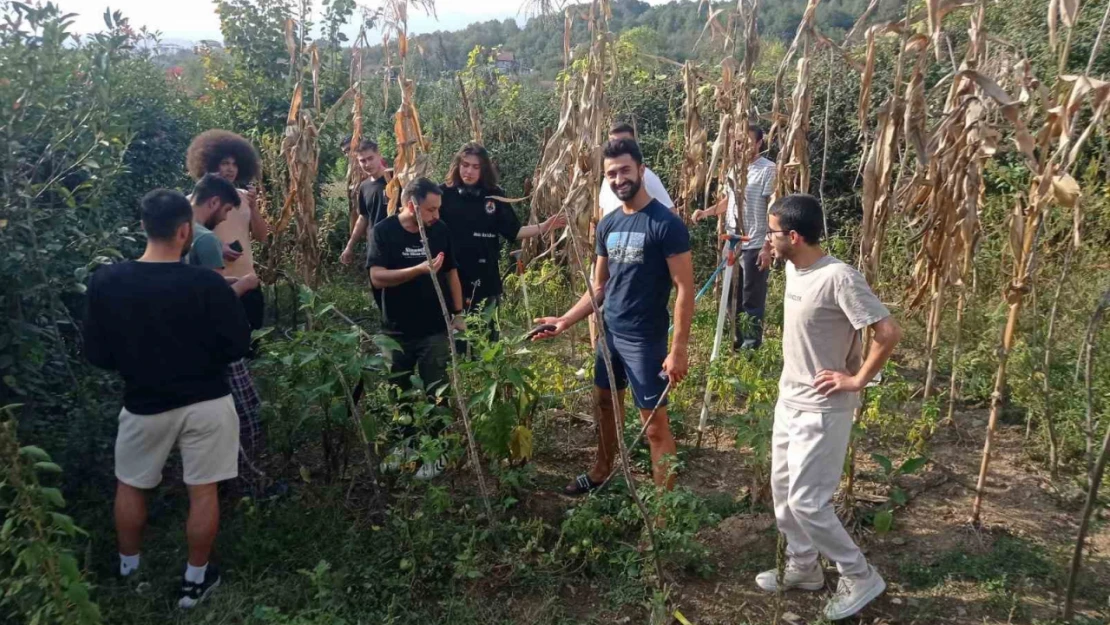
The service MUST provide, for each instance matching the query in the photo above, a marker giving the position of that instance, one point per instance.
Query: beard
(627, 191)
(211, 222)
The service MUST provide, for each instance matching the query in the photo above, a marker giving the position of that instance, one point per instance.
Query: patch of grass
(725, 504)
(1008, 560)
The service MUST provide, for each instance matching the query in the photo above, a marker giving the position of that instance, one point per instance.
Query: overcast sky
(196, 19)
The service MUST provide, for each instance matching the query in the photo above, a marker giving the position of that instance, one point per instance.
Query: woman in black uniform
(478, 222)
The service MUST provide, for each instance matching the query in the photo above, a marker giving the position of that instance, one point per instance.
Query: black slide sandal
(581, 485)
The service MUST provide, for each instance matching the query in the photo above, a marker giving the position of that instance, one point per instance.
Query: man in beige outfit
(825, 306)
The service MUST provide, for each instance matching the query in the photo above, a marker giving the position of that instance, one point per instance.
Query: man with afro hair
(234, 159)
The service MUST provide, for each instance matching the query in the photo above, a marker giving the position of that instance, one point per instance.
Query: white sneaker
(812, 578)
(398, 456)
(430, 471)
(852, 595)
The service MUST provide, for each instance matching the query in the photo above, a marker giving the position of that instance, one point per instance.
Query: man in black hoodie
(477, 222)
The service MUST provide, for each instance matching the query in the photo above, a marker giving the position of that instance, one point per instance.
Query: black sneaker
(193, 593)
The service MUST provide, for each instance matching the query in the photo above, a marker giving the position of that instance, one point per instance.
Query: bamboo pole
(1046, 367)
(456, 383)
(1097, 470)
(626, 463)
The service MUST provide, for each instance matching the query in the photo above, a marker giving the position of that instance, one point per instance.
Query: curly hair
(212, 146)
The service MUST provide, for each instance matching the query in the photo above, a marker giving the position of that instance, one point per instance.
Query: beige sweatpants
(807, 458)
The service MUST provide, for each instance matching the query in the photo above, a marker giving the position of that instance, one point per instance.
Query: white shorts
(207, 433)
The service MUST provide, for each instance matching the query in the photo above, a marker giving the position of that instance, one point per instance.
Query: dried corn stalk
(470, 112)
(790, 168)
(942, 201)
(974, 194)
(354, 171)
(878, 176)
(695, 138)
(568, 176)
(412, 149)
(793, 166)
(731, 152)
(301, 152)
(1051, 184)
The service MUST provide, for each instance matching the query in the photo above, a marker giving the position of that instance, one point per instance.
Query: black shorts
(639, 361)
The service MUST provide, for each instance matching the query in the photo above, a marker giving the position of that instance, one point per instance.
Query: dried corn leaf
(1065, 190)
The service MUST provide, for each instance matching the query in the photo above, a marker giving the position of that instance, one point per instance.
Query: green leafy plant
(506, 396)
(42, 581)
(884, 517)
(308, 378)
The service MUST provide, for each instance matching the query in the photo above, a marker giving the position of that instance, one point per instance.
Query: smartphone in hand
(546, 327)
(236, 245)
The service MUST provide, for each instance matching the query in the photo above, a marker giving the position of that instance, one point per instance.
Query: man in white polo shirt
(609, 202)
(755, 260)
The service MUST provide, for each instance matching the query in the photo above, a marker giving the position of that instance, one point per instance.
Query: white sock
(195, 574)
(128, 564)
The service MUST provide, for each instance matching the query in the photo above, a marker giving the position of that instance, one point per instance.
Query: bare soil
(1021, 505)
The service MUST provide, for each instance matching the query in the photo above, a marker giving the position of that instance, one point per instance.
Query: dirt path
(938, 569)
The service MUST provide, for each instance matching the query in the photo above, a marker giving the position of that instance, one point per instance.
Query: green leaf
(48, 467)
(514, 376)
(884, 521)
(78, 593)
(386, 344)
(64, 523)
(884, 462)
(35, 453)
(898, 496)
(68, 565)
(912, 465)
(54, 496)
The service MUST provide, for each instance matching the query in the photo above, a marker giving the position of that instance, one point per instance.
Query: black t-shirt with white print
(410, 310)
(477, 223)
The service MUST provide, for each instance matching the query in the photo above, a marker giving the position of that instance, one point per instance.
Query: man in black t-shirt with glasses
(401, 277)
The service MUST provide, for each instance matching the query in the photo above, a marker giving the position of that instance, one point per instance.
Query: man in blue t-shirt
(642, 250)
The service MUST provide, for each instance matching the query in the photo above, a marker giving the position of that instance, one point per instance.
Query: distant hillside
(672, 29)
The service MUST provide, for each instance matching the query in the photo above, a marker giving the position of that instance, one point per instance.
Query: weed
(1008, 560)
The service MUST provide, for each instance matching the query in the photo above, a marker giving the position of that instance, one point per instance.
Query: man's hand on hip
(828, 382)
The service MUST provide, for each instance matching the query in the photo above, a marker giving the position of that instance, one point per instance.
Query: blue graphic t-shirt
(639, 286)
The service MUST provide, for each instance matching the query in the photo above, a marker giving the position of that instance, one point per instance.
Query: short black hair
(345, 144)
(212, 146)
(418, 190)
(163, 211)
(367, 145)
(622, 128)
(801, 213)
(757, 131)
(620, 147)
(212, 185)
